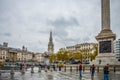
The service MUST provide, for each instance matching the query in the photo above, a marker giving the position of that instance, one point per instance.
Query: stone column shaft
(105, 14)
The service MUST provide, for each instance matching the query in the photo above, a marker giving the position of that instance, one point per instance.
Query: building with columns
(39, 57)
(82, 46)
(4, 51)
(85, 48)
(14, 54)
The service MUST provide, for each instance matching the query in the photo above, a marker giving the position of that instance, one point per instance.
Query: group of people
(92, 71)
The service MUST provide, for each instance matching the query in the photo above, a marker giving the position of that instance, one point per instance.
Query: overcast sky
(28, 22)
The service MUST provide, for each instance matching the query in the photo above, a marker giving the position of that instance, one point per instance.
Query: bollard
(39, 69)
(26, 67)
(32, 70)
(83, 68)
(45, 68)
(12, 77)
(22, 68)
(70, 68)
(0, 73)
(98, 69)
(76, 68)
(12, 71)
(65, 69)
(51, 69)
(90, 69)
(23, 71)
(114, 69)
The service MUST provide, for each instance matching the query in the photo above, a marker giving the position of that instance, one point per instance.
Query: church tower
(50, 44)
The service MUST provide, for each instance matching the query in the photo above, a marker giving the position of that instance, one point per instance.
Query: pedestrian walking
(80, 71)
(48, 67)
(92, 70)
(21, 67)
(59, 68)
(106, 72)
(54, 67)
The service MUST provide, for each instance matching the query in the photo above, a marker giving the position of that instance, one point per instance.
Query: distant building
(50, 45)
(14, 54)
(19, 55)
(71, 48)
(88, 46)
(62, 49)
(80, 47)
(117, 49)
(4, 51)
(39, 57)
(85, 48)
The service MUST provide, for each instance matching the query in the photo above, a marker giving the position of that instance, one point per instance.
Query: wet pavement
(55, 75)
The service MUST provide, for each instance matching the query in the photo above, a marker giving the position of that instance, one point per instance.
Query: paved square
(55, 75)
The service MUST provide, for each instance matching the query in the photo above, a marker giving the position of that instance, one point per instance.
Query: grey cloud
(71, 39)
(61, 25)
(66, 41)
(6, 34)
(86, 39)
(71, 21)
(60, 35)
(61, 21)
(43, 32)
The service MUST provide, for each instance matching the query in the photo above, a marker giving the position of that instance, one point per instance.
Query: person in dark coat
(80, 71)
(106, 72)
(54, 67)
(92, 70)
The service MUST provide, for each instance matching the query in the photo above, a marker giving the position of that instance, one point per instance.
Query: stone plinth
(107, 58)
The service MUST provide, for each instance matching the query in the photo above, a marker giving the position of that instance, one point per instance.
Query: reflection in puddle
(50, 77)
(12, 77)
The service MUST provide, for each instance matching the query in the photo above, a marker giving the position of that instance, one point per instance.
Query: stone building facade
(82, 46)
(85, 48)
(14, 54)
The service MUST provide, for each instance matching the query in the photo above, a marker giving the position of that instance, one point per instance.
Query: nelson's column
(105, 38)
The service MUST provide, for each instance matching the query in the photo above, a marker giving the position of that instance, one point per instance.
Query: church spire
(50, 39)
(50, 44)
